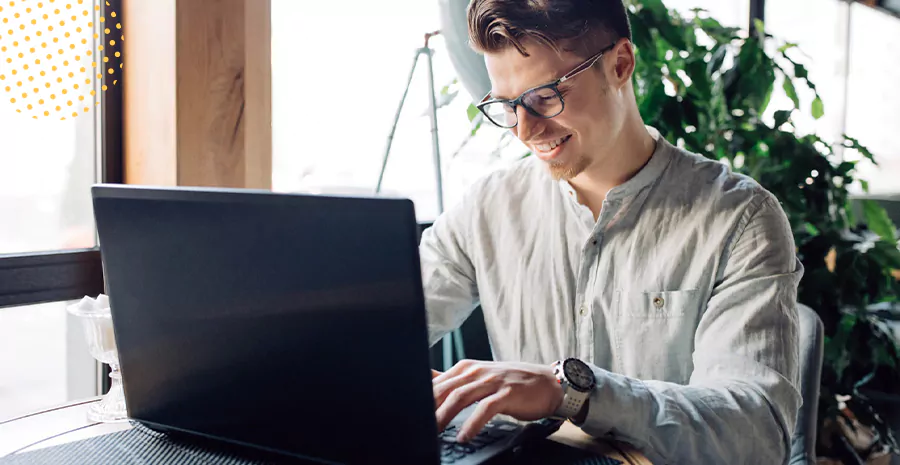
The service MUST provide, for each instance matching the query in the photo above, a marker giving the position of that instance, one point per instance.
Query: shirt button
(658, 302)
(583, 310)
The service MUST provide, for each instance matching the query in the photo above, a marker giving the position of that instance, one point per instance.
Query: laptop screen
(289, 322)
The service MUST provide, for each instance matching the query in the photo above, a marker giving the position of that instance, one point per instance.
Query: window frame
(53, 276)
(757, 12)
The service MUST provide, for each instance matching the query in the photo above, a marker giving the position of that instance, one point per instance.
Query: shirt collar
(646, 176)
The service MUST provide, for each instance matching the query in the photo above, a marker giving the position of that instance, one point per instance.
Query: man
(665, 281)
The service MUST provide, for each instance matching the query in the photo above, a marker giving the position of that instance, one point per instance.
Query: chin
(566, 169)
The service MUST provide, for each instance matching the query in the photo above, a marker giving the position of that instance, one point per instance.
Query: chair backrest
(812, 343)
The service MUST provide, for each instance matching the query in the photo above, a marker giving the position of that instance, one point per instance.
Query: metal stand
(453, 340)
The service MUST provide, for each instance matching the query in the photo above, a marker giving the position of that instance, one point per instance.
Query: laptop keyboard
(451, 451)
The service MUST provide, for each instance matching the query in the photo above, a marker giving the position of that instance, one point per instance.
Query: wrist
(558, 392)
(581, 416)
(577, 382)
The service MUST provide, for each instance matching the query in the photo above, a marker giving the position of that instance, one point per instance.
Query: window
(46, 170)
(819, 30)
(732, 13)
(333, 141)
(44, 359)
(873, 99)
(843, 46)
(63, 63)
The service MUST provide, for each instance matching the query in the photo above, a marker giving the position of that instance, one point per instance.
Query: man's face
(591, 120)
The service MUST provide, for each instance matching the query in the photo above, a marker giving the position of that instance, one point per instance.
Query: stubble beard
(566, 170)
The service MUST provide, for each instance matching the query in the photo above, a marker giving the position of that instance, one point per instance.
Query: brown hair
(581, 26)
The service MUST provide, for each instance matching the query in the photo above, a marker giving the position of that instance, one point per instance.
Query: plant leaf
(818, 108)
(786, 47)
(791, 91)
(472, 112)
(800, 72)
(811, 229)
(854, 144)
(767, 99)
(781, 117)
(878, 221)
(718, 57)
(889, 256)
(446, 99)
(760, 27)
(865, 380)
(656, 6)
(476, 128)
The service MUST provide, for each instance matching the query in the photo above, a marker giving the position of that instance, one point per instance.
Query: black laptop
(293, 324)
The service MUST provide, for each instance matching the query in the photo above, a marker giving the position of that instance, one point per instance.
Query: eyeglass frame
(514, 103)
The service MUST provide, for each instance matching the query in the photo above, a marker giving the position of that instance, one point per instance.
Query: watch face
(578, 374)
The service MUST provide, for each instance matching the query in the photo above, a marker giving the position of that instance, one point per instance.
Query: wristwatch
(577, 381)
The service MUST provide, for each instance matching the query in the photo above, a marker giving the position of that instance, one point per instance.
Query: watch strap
(573, 399)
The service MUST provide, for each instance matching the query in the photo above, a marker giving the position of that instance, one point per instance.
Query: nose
(527, 124)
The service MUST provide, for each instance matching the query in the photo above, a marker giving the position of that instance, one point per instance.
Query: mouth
(547, 151)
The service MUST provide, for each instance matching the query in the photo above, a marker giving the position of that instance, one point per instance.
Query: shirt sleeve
(448, 273)
(742, 399)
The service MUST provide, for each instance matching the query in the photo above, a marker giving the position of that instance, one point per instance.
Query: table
(69, 423)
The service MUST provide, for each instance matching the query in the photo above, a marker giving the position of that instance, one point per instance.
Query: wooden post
(198, 93)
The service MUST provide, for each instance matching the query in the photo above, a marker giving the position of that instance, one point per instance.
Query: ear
(621, 64)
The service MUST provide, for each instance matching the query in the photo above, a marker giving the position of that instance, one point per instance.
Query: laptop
(291, 324)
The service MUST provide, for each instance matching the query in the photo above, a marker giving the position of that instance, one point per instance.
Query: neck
(622, 160)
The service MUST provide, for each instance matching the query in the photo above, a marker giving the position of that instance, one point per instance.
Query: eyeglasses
(543, 101)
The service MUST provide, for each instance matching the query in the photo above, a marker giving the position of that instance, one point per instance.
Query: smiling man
(641, 291)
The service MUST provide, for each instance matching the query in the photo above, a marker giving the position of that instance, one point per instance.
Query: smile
(548, 151)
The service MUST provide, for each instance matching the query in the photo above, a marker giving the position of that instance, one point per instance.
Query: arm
(448, 274)
(741, 403)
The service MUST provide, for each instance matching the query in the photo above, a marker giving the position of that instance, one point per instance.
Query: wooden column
(198, 93)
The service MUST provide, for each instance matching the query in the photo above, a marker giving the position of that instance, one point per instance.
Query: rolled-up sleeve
(742, 399)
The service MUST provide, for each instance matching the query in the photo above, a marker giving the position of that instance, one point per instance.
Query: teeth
(551, 145)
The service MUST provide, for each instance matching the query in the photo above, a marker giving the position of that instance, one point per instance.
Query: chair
(812, 344)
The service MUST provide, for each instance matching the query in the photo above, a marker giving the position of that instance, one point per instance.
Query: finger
(486, 410)
(459, 399)
(435, 374)
(460, 367)
(464, 372)
(442, 389)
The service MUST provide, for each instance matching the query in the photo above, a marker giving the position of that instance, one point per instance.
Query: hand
(522, 390)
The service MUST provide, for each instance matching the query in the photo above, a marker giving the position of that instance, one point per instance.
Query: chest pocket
(655, 333)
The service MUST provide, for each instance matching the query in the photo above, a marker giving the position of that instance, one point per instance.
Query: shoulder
(697, 180)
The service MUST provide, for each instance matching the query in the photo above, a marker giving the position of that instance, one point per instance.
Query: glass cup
(96, 320)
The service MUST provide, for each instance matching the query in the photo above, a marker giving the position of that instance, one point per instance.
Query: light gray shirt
(681, 296)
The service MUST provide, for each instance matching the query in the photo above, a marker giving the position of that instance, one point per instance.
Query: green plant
(719, 86)
(707, 87)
